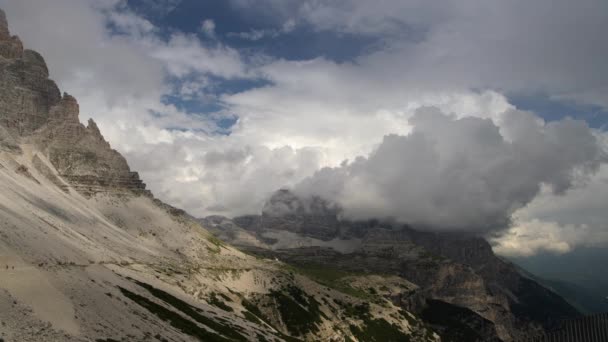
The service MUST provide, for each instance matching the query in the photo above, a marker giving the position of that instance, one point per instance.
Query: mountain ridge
(450, 268)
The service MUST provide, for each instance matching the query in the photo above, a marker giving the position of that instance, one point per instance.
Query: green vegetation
(300, 312)
(431, 257)
(252, 308)
(379, 330)
(360, 311)
(253, 314)
(373, 330)
(217, 244)
(251, 317)
(333, 278)
(215, 301)
(261, 338)
(226, 298)
(455, 323)
(218, 273)
(178, 321)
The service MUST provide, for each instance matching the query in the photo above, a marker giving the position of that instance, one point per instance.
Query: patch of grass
(432, 257)
(300, 312)
(226, 298)
(251, 317)
(372, 329)
(360, 311)
(333, 278)
(177, 321)
(214, 250)
(215, 301)
(192, 312)
(261, 338)
(378, 330)
(219, 272)
(217, 244)
(253, 314)
(253, 309)
(455, 323)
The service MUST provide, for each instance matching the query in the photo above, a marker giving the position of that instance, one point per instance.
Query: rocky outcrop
(7, 141)
(10, 47)
(82, 156)
(27, 94)
(33, 110)
(493, 299)
(285, 211)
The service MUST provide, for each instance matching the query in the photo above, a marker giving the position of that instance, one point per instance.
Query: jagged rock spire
(4, 32)
(10, 47)
(66, 110)
(32, 109)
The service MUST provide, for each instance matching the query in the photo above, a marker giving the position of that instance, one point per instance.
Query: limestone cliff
(32, 110)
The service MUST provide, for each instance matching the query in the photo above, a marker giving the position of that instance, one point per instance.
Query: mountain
(455, 283)
(580, 276)
(88, 254)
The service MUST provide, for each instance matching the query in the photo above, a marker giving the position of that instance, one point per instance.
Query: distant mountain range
(487, 298)
(580, 276)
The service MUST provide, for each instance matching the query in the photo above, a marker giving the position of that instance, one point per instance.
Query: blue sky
(554, 109)
(305, 42)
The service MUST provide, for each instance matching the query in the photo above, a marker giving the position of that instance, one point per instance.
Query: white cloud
(208, 28)
(184, 54)
(257, 34)
(560, 223)
(461, 174)
(531, 237)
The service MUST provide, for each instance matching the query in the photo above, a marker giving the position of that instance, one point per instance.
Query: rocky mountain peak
(94, 130)
(66, 110)
(4, 32)
(286, 203)
(10, 46)
(32, 110)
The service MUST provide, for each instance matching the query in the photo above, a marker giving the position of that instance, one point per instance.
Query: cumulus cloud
(559, 224)
(463, 174)
(531, 237)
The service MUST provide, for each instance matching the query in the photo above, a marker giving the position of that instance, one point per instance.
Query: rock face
(489, 298)
(10, 47)
(32, 110)
(287, 212)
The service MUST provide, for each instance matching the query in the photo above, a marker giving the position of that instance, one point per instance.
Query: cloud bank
(461, 174)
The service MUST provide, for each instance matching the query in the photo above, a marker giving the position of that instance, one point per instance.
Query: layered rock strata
(32, 110)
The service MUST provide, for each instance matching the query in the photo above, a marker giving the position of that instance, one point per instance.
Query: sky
(450, 115)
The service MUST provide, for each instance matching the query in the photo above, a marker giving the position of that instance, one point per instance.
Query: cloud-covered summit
(464, 174)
